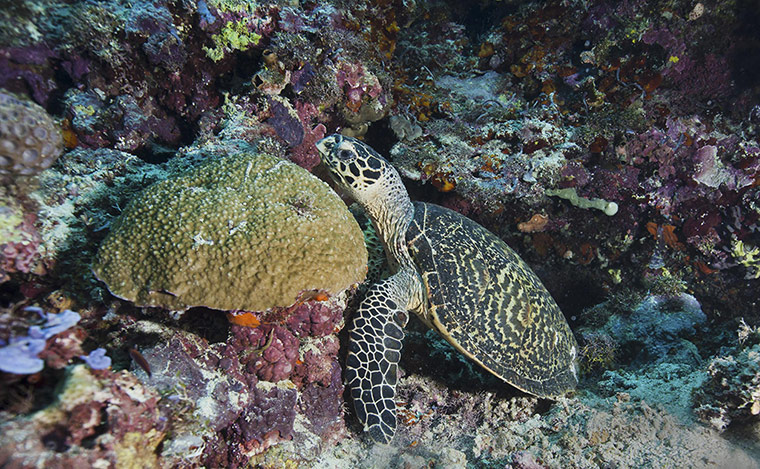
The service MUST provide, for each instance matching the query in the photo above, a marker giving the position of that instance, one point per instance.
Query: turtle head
(356, 167)
(370, 180)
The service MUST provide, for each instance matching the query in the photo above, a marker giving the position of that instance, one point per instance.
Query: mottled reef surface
(177, 277)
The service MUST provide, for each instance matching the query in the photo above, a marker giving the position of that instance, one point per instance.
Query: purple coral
(18, 257)
(21, 355)
(97, 359)
(305, 154)
(322, 404)
(318, 363)
(267, 420)
(286, 124)
(163, 45)
(314, 319)
(273, 350)
(302, 77)
(29, 68)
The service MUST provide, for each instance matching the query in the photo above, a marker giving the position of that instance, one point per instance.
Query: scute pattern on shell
(29, 138)
(489, 304)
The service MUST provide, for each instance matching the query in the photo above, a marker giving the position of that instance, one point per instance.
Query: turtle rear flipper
(374, 351)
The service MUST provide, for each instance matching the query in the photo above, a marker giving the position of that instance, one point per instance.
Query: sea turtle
(460, 279)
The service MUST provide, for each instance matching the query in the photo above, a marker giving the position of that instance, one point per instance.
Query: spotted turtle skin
(459, 278)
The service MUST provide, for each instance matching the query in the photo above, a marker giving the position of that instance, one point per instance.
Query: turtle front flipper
(374, 351)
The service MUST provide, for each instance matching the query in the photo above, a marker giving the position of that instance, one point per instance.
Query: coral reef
(487, 430)
(29, 138)
(247, 231)
(521, 115)
(731, 392)
(610, 122)
(99, 417)
(659, 325)
(273, 384)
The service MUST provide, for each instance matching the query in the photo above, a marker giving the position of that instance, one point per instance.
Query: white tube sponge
(609, 208)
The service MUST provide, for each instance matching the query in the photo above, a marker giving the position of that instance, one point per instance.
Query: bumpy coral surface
(29, 138)
(248, 231)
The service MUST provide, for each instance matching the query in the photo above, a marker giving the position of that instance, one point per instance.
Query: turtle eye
(345, 154)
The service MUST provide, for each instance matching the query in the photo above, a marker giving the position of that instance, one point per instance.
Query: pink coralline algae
(696, 76)
(322, 404)
(672, 44)
(654, 146)
(252, 387)
(273, 348)
(318, 363)
(266, 421)
(707, 78)
(22, 255)
(297, 128)
(275, 353)
(63, 348)
(314, 320)
(357, 82)
(305, 154)
(710, 171)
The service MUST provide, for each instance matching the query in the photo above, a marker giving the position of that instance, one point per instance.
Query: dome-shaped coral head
(29, 137)
(357, 168)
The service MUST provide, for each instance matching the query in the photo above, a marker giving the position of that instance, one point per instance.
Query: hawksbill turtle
(459, 278)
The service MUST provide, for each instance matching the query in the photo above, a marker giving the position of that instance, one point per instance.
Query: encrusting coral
(247, 231)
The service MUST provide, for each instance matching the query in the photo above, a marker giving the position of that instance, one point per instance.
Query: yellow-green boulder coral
(247, 231)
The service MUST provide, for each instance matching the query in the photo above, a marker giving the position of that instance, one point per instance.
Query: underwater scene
(380, 234)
